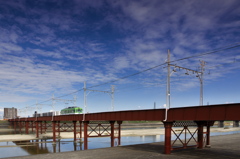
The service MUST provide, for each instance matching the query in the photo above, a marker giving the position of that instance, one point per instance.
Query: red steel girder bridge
(104, 123)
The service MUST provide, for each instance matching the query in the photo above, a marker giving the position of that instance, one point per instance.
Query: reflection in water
(64, 145)
(31, 147)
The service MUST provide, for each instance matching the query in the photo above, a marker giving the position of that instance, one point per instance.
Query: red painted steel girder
(208, 113)
(197, 113)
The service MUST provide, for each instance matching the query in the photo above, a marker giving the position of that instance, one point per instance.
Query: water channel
(32, 147)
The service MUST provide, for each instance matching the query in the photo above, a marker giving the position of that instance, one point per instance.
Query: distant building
(10, 113)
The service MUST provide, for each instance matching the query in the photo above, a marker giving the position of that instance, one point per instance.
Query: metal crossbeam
(99, 132)
(184, 142)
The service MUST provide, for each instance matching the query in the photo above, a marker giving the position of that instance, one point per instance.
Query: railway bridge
(104, 124)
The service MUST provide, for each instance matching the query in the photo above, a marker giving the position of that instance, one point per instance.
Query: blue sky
(53, 46)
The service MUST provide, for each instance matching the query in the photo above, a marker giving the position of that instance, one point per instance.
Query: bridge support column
(54, 132)
(37, 129)
(86, 134)
(200, 134)
(32, 125)
(41, 127)
(236, 123)
(167, 144)
(74, 131)
(45, 126)
(80, 131)
(20, 126)
(208, 137)
(112, 133)
(12, 124)
(26, 127)
(119, 132)
(220, 124)
(15, 126)
(59, 127)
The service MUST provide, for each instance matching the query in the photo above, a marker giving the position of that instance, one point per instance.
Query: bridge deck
(197, 113)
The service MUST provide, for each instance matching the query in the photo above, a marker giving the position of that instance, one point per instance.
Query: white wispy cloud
(27, 77)
(57, 49)
(9, 47)
(53, 54)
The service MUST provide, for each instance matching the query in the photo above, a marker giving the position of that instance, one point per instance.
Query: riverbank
(131, 132)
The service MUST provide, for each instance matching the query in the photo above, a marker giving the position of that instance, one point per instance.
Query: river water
(33, 147)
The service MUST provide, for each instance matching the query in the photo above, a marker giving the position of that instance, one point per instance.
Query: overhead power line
(124, 77)
(207, 53)
(198, 55)
(228, 47)
(215, 66)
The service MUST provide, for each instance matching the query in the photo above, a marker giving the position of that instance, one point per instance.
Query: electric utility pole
(108, 92)
(202, 63)
(199, 75)
(168, 81)
(58, 99)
